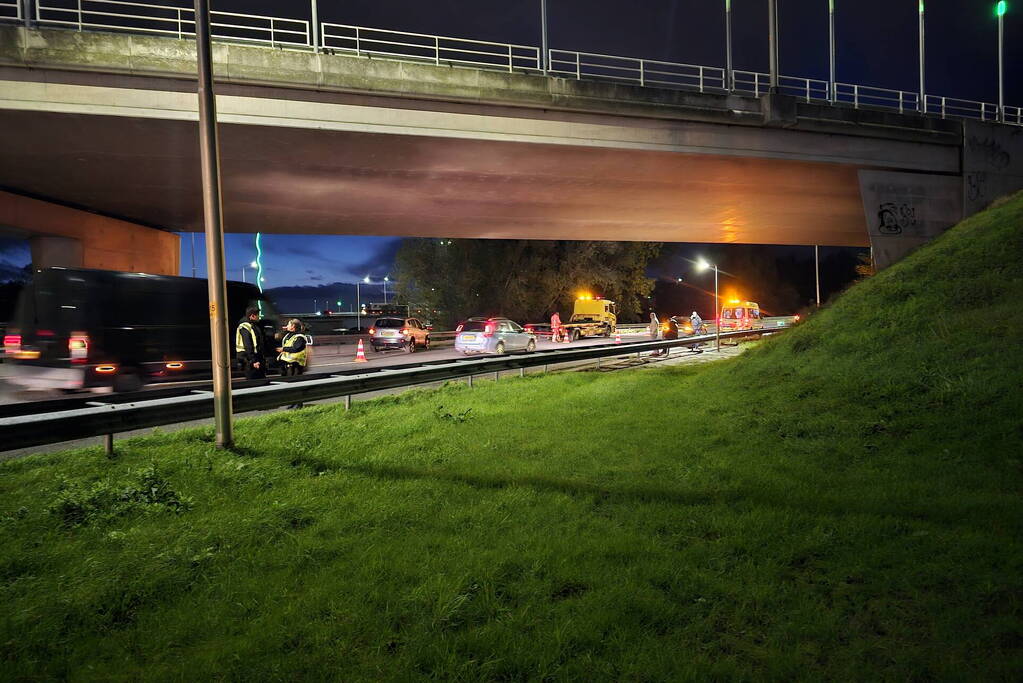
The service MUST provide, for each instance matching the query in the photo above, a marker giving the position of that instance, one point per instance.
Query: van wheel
(426, 346)
(499, 349)
(607, 330)
(126, 381)
(530, 346)
(410, 347)
(575, 335)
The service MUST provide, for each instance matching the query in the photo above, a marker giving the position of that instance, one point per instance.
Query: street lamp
(251, 265)
(922, 104)
(386, 280)
(1000, 12)
(358, 303)
(701, 266)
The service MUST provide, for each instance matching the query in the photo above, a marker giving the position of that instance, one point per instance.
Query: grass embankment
(842, 502)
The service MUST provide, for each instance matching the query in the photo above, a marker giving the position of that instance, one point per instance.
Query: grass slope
(842, 502)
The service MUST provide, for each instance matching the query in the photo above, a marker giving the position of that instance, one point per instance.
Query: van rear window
(389, 323)
(474, 326)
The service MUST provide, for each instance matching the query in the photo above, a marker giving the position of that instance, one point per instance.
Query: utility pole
(213, 218)
(314, 34)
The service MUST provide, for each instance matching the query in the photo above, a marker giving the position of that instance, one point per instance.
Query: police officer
(250, 345)
(294, 354)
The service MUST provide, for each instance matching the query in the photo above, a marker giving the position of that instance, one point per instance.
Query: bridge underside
(303, 181)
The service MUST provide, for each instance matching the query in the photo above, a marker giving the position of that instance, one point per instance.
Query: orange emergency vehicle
(740, 315)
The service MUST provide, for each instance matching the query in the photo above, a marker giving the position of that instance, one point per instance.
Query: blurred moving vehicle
(409, 334)
(76, 328)
(740, 315)
(493, 335)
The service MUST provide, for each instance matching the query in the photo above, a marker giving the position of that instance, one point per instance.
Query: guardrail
(10, 10)
(402, 45)
(137, 17)
(101, 419)
(276, 31)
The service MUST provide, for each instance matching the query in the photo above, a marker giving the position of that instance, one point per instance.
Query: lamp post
(703, 265)
(817, 272)
(251, 265)
(831, 47)
(772, 42)
(386, 280)
(1000, 12)
(922, 104)
(728, 46)
(358, 303)
(544, 66)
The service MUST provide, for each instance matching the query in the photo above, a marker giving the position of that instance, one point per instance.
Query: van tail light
(404, 330)
(12, 343)
(488, 329)
(372, 330)
(78, 346)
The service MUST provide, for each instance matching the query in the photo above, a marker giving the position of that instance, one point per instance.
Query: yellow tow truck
(592, 316)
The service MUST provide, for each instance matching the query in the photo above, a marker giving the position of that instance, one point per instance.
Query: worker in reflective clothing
(250, 345)
(556, 327)
(294, 354)
(294, 351)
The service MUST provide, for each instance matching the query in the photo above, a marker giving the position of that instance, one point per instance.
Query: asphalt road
(333, 357)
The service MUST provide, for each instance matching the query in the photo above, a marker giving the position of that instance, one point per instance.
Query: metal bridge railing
(591, 65)
(166, 18)
(179, 21)
(402, 45)
(10, 10)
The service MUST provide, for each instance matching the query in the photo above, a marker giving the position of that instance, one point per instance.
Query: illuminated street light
(702, 265)
(922, 104)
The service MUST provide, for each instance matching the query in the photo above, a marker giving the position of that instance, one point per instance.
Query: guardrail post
(598, 362)
(522, 372)
(856, 97)
(179, 33)
(79, 5)
(942, 107)
(509, 59)
(578, 68)
(701, 79)
(470, 381)
(358, 49)
(900, 101)
(108, 444)
(348, 402)
(497, 374)
(436, 50)
(642, 75)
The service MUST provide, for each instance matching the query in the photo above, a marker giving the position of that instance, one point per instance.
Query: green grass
(841, 502)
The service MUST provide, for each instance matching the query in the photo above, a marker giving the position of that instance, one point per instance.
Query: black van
(75, 328)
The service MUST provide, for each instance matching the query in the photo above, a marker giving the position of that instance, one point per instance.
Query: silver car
(493, 335)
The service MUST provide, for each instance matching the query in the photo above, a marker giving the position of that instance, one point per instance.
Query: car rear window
(389, 322)
(474, 326)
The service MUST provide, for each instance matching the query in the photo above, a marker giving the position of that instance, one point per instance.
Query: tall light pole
(703, 265)
(729, 83)
(1000, 11)
(817, 272)
(831, 46)
(544, 66)
(922, 104)
(772, 41)
(358, 303)
(216, 270)
(386, 280)
(253, 265)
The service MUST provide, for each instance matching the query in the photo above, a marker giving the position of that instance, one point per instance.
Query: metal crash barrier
(100, 419)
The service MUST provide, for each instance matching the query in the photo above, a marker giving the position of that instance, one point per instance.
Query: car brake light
(175, 365)
(78, 346)
(372, 330)
(12, 343)
(404, 330)
(106, 369)
(796, 317)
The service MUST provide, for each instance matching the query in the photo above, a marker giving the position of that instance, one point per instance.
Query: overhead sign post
(209, 151)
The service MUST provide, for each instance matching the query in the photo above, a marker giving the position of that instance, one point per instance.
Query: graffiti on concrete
(894, 218)
(993, 154)
(975, 183)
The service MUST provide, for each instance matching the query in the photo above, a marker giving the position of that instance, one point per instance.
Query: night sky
(877, 45)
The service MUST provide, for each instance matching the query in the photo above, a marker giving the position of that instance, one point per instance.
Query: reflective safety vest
(243, 328)
(289, 356)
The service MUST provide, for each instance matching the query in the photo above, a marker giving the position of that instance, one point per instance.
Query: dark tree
(525, 280)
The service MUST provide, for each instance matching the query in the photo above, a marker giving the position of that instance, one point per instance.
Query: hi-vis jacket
(248, 339)
(294, 349)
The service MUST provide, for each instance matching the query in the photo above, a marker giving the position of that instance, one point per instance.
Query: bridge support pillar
(48, 251)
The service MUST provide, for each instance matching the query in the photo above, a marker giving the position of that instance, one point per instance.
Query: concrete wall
(992, 163)
(62, 236)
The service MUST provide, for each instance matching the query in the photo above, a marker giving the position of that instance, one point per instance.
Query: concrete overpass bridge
(103, 125)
